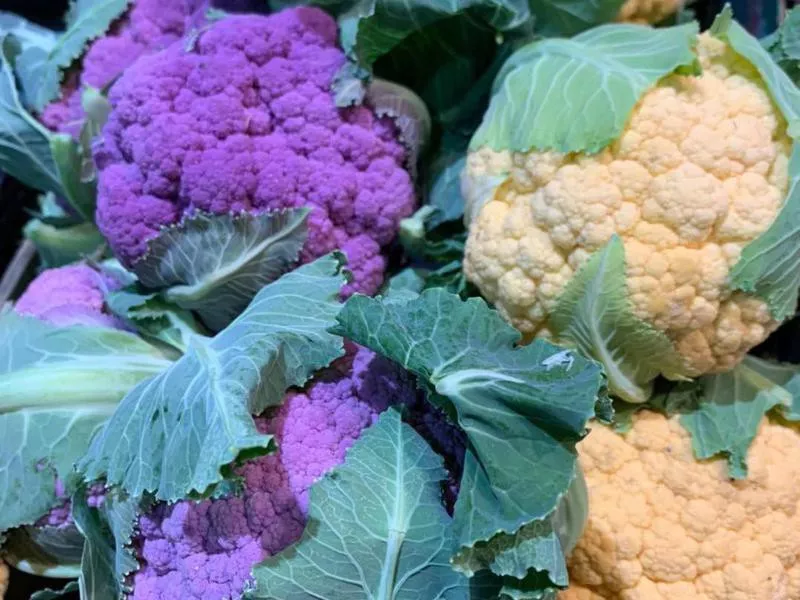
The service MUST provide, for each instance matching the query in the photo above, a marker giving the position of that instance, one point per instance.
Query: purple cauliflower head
(148, 26)
(245, 120)
(206, 550)
(71, 295)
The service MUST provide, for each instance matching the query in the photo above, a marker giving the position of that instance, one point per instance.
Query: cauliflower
(148, 26)
(245, 121)
(648, 11)
(206, 550)
(663, 525)
(71, 295)
(699, 171)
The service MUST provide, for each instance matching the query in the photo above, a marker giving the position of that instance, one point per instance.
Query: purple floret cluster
(206, 550)
(245, 120)
(148, 26)
(60, 515)
(71, 295)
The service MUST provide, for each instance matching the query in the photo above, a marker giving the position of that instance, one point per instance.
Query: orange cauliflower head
(663, 526)
(648, 11)
(696, 171)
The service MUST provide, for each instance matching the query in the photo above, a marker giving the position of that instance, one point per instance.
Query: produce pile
(425, 300)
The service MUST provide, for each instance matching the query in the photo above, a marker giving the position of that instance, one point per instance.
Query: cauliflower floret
(648, 11)
(148, 26)
(246, 121)
(699, 172)
(71, 295)
(663, 525)
(206, 550)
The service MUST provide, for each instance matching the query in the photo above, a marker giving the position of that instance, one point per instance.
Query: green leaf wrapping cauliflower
(663, 156)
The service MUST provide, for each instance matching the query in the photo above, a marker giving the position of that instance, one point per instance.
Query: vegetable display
(483, 300)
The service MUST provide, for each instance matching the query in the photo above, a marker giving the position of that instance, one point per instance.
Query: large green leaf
(522, 408)
(24, 144)
(59, 385)
(173, 434)
(45, 366)
(728, 408)
(39, 66)
(107, 554)
(377, 528)
(215, 264)
(577, 94)
(595, 314)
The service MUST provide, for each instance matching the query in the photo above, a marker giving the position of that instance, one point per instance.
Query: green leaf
(577, 94)
(728, 408)
(70, 159)
(445, 195)
(769, 266)
(51, 212)
(154, 317)
(540, 543)
(96, 109)
(215, 264)
(370, 29)
(455, 60)
(377, 527)
(568, 17)
(594, 313)
(37, 446)
(407, 284)
(59, 387)
(39, 68)
(59, 246)
(45, 366)
(107, 555)
(48, 594)
(24, 143)
(26, 32)
(173, 434)
(783, 44)
(45, 551)
(783, 91)
(349, 85)
(522, 408)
